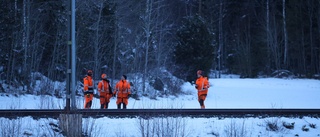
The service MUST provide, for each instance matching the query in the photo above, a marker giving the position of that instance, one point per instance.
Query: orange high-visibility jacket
(87, 84)
(122, 89)
(103, 87)
(202, 85)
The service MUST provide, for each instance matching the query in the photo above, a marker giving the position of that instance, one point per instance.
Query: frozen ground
(224, 93)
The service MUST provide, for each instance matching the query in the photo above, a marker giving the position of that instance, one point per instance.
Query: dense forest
(149, 38)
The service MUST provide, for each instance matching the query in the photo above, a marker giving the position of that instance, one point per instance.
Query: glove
(113, 95)
(129, 95)
(196, 86)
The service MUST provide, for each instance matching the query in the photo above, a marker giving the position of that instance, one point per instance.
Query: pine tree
(194, 49)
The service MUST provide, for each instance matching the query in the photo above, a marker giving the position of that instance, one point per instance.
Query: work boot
(124, 106)
(89, 104)
(107, 104)
(201, 102)
(119, 106)
(102, 106)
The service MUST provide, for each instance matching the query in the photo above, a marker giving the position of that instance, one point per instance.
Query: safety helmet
(104, 76)
(199, 72)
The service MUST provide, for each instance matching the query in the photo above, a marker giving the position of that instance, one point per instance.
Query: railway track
(119, 113)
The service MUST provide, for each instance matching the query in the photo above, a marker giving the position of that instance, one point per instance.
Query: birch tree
(94, 36)
(96, 39)
(147, 30)
(127, 53)
(25, 41)
(14, 57)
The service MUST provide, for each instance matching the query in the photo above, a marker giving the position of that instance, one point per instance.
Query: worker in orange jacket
(202, 86)
(122, 89)
(88, 89)
(105, 91)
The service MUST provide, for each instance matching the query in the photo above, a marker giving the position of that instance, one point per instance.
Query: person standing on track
(105, 91)
(88, 89)
(202, 86)
(122, 89)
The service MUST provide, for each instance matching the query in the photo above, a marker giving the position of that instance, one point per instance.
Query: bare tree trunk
(97, 44)
(116, 41)
(24, 34)
(161, 50)
(36, 52)
(147, 42)
(114, 53)
(53, 60)
(302, 59)
(220, 38)
(312, 56)
(57, 53)
(285, 59)
(200, 4)
(12, 60)
(303, 55)
(159, 45)
(25, 43)
(318, 17)
(248, 49)
(268, 32)
(272, 38)
(11, 63)
(275, 44)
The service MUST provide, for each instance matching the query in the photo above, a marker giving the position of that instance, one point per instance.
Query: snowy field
(223, 93)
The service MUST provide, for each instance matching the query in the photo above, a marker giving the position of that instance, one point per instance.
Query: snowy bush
(91, 129)
(48, 128)
(305, 128)
(163, 127)
(213, 131)
(314, 126)
(288, 125)
(50, 102)
(15, 103)
(170, 84)
(272, 126)
(275, 125)
(27, 126)
(10, 128)
(235, 129)
(282, 74)
(160, 82)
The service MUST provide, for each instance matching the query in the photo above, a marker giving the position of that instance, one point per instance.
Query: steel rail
(54, 113)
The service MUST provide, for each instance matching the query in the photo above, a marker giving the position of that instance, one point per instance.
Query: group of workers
(122, 90)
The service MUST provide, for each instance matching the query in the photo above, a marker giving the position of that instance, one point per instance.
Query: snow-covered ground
(223, 93)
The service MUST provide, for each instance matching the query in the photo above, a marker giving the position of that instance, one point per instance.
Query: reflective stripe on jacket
(122, 89)
(88, 84)
(103, 86)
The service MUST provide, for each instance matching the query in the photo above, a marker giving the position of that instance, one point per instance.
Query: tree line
(146, 37)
